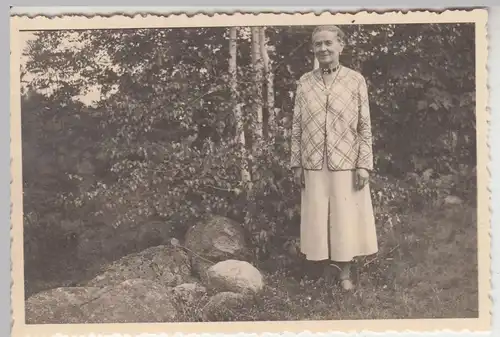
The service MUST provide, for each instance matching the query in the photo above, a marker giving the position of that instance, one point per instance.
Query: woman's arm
(296, 152)
(365, 156)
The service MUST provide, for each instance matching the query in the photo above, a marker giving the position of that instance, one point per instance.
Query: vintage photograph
(329, 170)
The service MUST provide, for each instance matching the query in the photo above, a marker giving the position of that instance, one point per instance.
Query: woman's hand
(362, 177)
(298, 177)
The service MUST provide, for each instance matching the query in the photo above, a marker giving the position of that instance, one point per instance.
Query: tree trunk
(256, 127)
(257, 71)
(239, 134)
(269, 76)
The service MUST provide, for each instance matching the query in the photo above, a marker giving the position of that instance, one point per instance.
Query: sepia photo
(328, 172)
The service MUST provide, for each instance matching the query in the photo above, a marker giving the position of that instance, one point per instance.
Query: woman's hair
(330, 28)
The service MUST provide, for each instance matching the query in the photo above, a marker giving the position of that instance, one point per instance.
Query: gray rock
(222, 306)
(166, 265)
(187, 294)
(58, 306)
(235, 276)
(132, 301)
(215, 240)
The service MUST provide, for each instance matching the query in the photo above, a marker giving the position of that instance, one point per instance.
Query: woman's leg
(345, 275)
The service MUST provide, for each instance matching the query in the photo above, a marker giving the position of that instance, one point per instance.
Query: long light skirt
(337, 221)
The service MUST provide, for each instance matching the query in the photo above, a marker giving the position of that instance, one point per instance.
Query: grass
(426, 268)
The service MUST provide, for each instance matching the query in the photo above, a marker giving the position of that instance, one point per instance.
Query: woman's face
(327, 47)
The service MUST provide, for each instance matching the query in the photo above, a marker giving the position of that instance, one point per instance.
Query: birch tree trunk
(238, 117)
(257, 71)
(269, 76)
(256, 127)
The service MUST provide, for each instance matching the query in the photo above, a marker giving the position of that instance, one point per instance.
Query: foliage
(159, 141)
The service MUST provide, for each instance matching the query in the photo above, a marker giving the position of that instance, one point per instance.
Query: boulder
(200, 267)
(221, 307)
(132, 301)
(235, 276)
(188, 294)
(58, 306)
(217, 239)
(165, 265)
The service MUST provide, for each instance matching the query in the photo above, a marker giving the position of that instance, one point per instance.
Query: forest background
(193, 122)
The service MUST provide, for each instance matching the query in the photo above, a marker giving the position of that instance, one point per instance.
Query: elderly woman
(331, 155)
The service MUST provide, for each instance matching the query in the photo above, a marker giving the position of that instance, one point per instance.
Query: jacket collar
(319, 78)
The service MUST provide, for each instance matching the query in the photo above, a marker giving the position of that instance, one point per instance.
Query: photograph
(327, 171)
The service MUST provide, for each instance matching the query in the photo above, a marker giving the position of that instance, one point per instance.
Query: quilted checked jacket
(334, 120)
